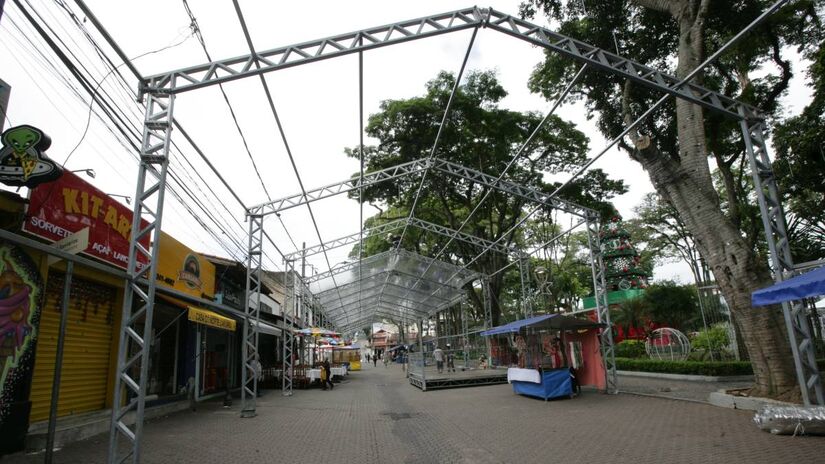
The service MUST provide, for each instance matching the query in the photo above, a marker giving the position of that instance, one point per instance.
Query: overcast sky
(317, 103)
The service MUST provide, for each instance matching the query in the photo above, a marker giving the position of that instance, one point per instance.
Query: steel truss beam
(393, 271)
(251, 359)
(371, 287)
(376, 302)
(288, 339)
(343, 310)
(397, 224)
(139, 300)
(221, 71)
(415, 167)
(602, 308)
(776, 232)
(524, 274)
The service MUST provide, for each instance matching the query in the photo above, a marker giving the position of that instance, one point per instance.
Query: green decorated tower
(623, 267)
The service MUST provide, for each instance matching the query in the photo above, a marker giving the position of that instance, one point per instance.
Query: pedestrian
(375, 360)
(326, 375)
(257, 371)
(386, 361)
(368, 357)
(438, 355)
(450, 360)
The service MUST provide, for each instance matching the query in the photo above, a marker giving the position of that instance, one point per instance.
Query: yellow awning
(206, 317)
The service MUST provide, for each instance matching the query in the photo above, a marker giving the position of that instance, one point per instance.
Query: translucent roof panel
(393, 283)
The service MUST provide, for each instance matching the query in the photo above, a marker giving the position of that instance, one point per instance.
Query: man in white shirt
(438, 355)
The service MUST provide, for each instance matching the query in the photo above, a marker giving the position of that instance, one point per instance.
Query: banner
(205, 317)
(58, 209)
(183, 269)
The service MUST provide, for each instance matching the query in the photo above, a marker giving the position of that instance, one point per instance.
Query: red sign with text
(60, 208)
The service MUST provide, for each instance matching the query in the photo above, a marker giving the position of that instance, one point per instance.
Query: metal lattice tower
(139, 300)
(290, 308)
(252, 309)
(524, 274)
(776, 233)
(602, 308)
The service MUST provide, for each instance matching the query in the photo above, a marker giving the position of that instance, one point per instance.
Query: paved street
(377, 417)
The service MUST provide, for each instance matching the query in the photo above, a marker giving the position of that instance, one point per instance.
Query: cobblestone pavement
(376, 416)
(675, 389)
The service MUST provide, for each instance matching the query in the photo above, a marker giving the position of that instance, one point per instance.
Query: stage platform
(432, 380)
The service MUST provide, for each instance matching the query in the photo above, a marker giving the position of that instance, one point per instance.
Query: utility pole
(5, 90)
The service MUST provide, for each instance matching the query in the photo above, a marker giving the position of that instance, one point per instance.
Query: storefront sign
(184, 270)
(60, 208)
(202, 316)
(73, 244)
(22, 161)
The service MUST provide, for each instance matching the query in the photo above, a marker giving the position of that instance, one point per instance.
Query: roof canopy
(396, 284)
(806, 285)
(547, 321)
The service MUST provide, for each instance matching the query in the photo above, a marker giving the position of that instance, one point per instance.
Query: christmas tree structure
(623, 270)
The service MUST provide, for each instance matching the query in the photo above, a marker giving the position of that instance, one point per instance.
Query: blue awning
(806, 285)
(547, 321)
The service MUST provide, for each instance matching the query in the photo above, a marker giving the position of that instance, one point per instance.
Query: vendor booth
(348, 356)
(549, 356)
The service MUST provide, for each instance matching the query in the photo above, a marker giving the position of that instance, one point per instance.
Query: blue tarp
(547, 321)
(555, 383)
(515, 326)
(806, 285)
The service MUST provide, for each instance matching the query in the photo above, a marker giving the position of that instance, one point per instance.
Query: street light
(127, 198)
(542, 275)
(89, 172)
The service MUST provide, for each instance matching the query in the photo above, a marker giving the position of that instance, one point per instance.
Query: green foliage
(631, 349)
(481, 135)
(632, 313)
(685, 367)
(714, 339)
(673, 305)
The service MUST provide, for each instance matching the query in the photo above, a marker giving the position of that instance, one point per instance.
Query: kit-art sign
(59, 209)
(22, 161)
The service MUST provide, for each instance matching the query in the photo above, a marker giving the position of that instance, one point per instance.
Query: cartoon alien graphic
(15, 306)
(22, 161)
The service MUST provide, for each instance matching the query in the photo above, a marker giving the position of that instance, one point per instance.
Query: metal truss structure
(249, 379)
(132, 366)
(524, 276)
(290, 307)
(776, 232)
(139, 299)
(602, 308)
(493, 377)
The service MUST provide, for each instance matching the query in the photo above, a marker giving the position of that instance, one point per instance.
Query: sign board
(60, 208)
(183, 269)
(22, 158)
(73, 244)
(205, 317)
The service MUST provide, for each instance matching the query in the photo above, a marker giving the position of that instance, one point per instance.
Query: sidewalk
(675, 389)
(377, 417)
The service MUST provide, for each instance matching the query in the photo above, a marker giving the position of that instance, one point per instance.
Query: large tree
(478, 134)
(675, 144)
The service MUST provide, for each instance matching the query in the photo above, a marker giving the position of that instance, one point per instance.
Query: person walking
(386, 360)
(326, 375)
(450, 360)
(438, 355)
(375, 360)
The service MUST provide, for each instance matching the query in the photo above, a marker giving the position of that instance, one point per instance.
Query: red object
(60, 208)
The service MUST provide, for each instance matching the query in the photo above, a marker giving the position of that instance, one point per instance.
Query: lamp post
(542, 275)
(89, 172)
(127, 198)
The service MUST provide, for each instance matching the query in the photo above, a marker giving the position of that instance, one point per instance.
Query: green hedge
(685, 367)
(631, 349)
(708, 368)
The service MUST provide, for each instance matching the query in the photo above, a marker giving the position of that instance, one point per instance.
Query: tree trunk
(686, 184)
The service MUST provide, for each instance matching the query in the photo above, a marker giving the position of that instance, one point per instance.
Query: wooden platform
(432, 380)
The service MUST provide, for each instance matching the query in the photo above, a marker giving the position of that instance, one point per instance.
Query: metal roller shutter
(89, 332)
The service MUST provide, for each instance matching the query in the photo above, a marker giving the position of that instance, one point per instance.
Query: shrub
(714, 339)
(685, 367)
(631, 349)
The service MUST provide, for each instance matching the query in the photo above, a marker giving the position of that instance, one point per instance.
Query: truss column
(776, 233)
(289, 335)
(487, 298)
(252, 310)
(465, 338)
(524, 272)
(138, 302)
(602, 309)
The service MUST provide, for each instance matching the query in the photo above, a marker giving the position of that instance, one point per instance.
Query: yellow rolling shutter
(89, 332)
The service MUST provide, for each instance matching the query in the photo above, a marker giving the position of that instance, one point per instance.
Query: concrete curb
(692, 378)
(724, 400)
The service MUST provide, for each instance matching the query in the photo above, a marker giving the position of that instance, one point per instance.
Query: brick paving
(675, 389)
(376, 416)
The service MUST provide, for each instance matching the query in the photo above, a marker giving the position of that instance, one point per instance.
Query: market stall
(549, 356)
(348, 356)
